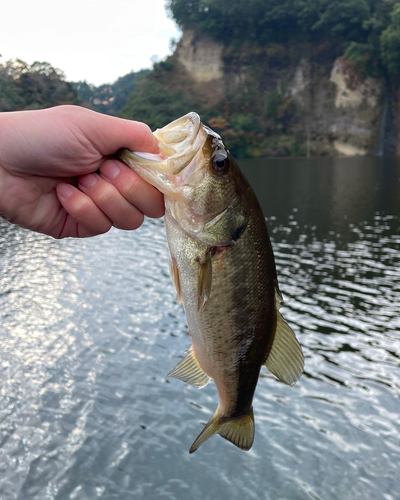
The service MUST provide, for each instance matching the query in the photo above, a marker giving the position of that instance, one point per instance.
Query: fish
(223, 270)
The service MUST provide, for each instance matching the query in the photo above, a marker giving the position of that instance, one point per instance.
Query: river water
(90, 328)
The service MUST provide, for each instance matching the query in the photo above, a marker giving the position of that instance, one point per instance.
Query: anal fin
(189, 370)
(285, 360)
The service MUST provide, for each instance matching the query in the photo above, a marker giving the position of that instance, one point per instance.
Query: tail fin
(239, 431)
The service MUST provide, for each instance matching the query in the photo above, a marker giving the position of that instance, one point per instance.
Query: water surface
(90, 328)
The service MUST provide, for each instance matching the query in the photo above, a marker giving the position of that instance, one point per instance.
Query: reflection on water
(90, 328)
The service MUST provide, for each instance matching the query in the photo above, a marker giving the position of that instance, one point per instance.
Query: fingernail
(64, 190)
(110, 170)
(88, 181)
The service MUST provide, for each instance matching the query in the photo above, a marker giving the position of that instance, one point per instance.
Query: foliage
(35, 86)
(342, 18)
(366, 30)
(257, 124)
(109, 98)
(40, 85)
(390, 43)
(369, 53)
(227, 20)
(362, 55)
(272, 20)
(153, 104)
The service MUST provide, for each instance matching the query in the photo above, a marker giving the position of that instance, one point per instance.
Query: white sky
(92, 40)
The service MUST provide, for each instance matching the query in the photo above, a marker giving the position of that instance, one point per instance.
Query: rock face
(339, 112)
(201, 59)
(344, 111)
(358, 106)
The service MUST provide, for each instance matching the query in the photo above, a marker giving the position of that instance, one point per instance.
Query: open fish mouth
(180, 133)
(179, 142)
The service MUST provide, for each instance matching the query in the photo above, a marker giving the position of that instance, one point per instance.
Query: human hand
(48, 160)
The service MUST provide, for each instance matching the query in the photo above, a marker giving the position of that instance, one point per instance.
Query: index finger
(133, 188)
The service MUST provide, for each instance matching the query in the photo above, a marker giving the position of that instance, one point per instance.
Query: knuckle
(132, 184)
(130, 187)
(91, 217)
(141, 129)
(131, 222)
(105, 194)
(144, 128)
(68, 109)
(83, 208)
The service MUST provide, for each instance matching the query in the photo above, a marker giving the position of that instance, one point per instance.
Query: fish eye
(220, 164)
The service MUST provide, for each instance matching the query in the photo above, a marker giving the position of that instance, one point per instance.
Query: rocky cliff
(324, 101)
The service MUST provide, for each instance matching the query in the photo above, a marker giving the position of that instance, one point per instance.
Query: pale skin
(59, 174)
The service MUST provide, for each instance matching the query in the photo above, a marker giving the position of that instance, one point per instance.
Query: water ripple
(90, 328)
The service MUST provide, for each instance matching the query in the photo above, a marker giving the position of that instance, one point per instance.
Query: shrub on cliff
(390, 43)
(267, 21)
(153, 104)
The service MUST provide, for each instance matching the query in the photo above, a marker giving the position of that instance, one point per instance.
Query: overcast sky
(93, 40)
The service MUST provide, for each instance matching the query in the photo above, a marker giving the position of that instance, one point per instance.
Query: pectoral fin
(175, 278)
(204, 281)
(189, 370)
(285, 360)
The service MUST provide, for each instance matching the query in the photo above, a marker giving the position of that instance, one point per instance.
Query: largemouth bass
(223, 269)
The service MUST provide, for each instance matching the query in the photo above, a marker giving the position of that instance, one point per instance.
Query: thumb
(109, 134)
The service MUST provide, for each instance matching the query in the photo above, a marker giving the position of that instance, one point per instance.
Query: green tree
(390, 43)
(153, 104)
(109, 98)
(35, 86)
(273, 20)
(228, 20)
(343, 18)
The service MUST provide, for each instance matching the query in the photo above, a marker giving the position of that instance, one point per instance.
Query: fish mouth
(179, 134)
(179, 142)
